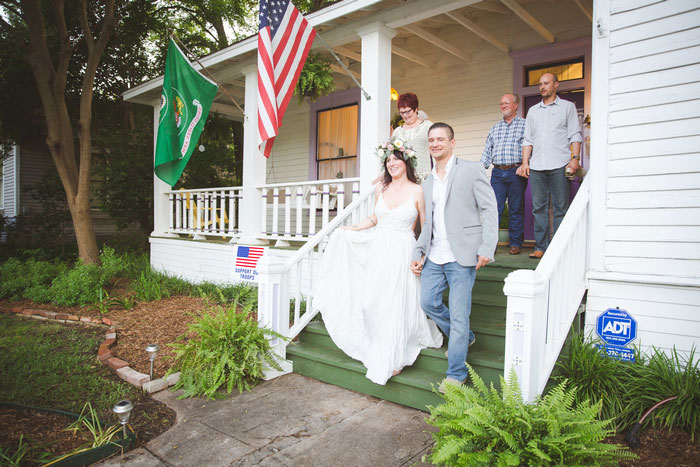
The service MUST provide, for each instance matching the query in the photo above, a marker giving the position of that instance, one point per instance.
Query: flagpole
(209, 74)
(367, 96)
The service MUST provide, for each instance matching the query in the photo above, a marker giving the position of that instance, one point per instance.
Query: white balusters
(204, 212)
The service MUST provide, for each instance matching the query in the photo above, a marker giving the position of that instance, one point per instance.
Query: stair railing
(542, 304)
(284, 286)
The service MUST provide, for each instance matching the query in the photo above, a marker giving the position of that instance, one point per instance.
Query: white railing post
(525, 329)
(273, 308)
(300, 210)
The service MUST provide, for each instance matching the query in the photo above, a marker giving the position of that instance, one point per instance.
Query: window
(336, 142)
(565, 71)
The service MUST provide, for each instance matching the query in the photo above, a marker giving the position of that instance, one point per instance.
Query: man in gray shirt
(551, 147)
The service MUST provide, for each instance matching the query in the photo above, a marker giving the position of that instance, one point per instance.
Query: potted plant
(316, 78)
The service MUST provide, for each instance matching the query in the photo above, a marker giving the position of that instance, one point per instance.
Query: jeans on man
(544, 183)
(507, 185)
(453, 321)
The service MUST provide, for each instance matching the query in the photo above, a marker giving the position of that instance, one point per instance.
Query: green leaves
(315, 80)
(228, 350)
(479, 426)
(627, 390)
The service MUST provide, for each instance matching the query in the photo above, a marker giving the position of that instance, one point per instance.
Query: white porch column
(161, 204)
(525, 331)
(376, 113)
(254, 164)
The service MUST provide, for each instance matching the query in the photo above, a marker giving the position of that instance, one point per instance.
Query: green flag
(184, 106)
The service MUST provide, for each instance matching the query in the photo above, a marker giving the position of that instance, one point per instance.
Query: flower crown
(396, 144)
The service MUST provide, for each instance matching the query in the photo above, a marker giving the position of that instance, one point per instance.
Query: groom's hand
(482, 261)
(416, 267)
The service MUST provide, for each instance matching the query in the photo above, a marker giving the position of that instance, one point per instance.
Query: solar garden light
(152, 351)
(123, 410)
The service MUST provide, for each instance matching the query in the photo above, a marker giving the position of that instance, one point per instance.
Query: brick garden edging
(104, 352)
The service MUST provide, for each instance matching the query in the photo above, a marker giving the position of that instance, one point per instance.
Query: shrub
(80, 286)
(479, 426)
(229, 350)
(598, 378)
(29, 279)
(666, 376)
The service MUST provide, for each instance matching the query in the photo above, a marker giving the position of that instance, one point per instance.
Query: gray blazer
(471, 214)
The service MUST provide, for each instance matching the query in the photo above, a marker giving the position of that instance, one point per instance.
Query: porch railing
(543, 303)
(296, 211)
(205, 211)
(284, 286)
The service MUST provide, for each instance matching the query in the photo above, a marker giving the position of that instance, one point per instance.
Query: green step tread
(485, 358)
(410, 376)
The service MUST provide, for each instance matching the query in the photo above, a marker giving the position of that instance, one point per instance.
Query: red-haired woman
(414, 131)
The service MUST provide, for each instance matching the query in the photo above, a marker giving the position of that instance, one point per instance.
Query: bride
(367, 295)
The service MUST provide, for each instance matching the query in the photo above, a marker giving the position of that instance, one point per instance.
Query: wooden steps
(315, 355)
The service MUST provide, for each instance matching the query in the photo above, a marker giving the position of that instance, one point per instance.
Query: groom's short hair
(445, 126)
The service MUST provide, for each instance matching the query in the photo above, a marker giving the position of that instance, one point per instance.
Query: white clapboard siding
(664, 218)
(661, 182)
(9, 178)
(658, 62)
(654, 165)
(675, 129)
(289, 160)
(654, 147)
(661, 80)
(653, 233)
(667, 315)
(657, 199)
(621, 6)
(689, 108)
(663, 266)
(646, 100)
(660, 249)
(642, 12)
(659, 44)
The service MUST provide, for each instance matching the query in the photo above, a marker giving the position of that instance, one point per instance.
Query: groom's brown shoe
(537, 254)
(514, 250)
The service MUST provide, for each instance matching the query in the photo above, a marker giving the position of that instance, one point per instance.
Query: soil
(162, 322)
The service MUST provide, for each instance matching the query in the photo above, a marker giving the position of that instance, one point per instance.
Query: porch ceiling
(431, 35)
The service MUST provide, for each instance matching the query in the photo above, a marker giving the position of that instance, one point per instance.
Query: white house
(632, 236)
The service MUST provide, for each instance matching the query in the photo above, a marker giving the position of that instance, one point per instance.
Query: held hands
(417, 267)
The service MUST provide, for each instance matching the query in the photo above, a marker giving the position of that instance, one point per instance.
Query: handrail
(275, 277)
(543, 303)
(309, 182)
(202, 190)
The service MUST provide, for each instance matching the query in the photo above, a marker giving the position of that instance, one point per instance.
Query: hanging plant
(315, 80)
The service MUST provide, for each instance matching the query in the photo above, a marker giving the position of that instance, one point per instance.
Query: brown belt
(506, 167)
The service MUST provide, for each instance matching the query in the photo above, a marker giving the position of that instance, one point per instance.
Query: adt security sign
(616, 327)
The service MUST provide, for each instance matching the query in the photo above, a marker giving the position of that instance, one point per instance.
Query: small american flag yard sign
(248, 256)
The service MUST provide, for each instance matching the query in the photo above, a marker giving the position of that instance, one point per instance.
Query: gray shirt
(550, 130)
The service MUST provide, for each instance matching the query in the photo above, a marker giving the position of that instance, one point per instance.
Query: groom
(458, 237)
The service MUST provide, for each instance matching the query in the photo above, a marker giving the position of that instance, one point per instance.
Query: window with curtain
(565, 71)
(336, 150)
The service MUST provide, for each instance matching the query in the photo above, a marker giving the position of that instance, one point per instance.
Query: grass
(53, 365)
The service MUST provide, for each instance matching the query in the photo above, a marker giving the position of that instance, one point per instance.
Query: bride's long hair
(410, 173)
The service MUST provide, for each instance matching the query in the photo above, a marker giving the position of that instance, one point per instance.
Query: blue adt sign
(616, 327)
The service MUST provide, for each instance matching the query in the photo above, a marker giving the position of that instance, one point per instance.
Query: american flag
(248, 256)
(284, 40)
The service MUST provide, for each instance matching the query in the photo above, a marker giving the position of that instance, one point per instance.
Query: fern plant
(480, 426)
(315, 80)
(229, 350)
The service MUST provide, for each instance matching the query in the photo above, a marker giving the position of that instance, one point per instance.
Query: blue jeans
(507, 185)
(453, 321)
(544, 183)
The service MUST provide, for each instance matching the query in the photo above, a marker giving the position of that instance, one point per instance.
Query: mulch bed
(661, 448)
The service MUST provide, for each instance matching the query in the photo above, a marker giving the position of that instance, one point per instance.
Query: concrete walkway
(289, 421)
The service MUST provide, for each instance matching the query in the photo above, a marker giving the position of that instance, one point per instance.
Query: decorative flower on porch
(396, 144)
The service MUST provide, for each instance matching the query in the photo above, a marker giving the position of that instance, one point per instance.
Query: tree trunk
(51, 83)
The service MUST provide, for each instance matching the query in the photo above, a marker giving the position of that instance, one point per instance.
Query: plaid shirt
(504, 143)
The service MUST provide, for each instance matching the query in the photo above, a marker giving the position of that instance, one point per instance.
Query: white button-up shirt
(550, 130)
(440, 251)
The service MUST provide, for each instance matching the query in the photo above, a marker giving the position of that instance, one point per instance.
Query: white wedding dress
(370, 299)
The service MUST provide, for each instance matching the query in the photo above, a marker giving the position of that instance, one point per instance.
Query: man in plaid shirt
(503, 149)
